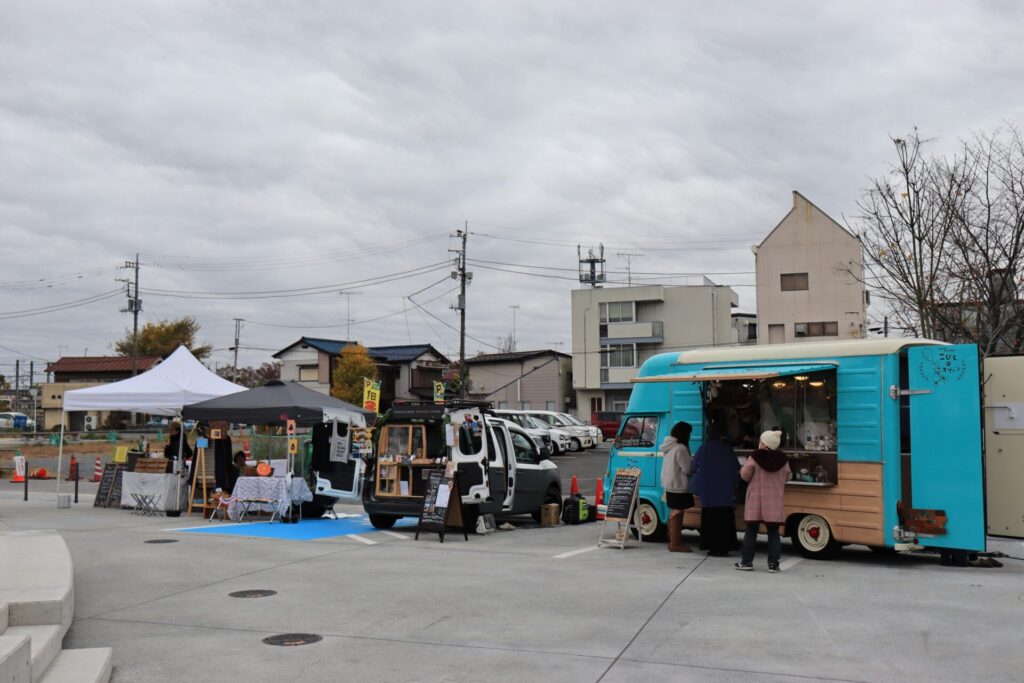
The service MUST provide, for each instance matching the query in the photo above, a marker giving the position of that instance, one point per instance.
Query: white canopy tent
(178, 381)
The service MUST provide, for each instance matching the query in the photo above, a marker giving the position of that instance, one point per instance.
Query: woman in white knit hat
(767, 471)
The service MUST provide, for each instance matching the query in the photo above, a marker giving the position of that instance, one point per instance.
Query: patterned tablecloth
(268, 487)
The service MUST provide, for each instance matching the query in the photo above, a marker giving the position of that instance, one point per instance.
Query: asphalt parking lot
(516, 605)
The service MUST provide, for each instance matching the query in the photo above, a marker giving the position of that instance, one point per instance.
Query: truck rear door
(470, 454)
(947, 498)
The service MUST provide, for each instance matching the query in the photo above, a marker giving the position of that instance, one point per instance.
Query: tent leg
(60, 454)
(178, 465)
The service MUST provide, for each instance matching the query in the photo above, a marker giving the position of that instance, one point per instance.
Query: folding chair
(222, 507)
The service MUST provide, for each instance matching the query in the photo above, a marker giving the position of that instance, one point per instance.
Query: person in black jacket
(173, 439)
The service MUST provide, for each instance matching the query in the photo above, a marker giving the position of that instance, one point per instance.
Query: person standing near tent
(173, 439)
(221, 454)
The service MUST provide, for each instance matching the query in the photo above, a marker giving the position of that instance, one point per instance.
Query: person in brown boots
(675, 470)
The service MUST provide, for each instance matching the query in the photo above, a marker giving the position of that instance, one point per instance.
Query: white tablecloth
(268, 487)
(162, 485)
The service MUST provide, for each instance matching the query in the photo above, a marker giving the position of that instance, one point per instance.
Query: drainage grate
(162, 540)
(255, 593)
(292, 639)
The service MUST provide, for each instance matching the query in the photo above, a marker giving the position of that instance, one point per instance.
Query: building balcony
(651, 332)
(618, 378)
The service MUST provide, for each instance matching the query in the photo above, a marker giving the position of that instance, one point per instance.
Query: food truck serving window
(638, 431)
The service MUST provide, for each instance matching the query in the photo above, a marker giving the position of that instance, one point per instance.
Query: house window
(822, 329)
(526, 405)
(751, 331)
(618, 312)
(793, 282)
(502, 405)
(309, 373)
(549, 405)
(618, 356)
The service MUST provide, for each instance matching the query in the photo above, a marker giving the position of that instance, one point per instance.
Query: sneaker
(773, 568)
(744, 567)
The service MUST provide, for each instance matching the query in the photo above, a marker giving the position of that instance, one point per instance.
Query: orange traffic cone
(599, 497)
(97, 471)
(19, 471)
(574, 490)
(41, 473)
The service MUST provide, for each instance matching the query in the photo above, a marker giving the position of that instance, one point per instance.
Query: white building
(614, 330)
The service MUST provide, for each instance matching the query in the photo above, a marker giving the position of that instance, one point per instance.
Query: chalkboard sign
(620, 499)
(109, 492)
(442, 504)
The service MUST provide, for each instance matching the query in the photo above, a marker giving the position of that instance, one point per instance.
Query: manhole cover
(292, 639)
(256, 593)
(162, 540)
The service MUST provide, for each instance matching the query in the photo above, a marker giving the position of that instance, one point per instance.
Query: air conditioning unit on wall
(91, 422)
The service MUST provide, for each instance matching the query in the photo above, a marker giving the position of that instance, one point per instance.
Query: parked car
(17, 421)
(501, 469)
(607, 421)
(558, 440)
(581, 435)
(595, 432)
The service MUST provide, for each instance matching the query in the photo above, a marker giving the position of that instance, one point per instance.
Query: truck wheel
(646, 520)
(552, 496)
(383, 521)
(814, 539)
(577, 445)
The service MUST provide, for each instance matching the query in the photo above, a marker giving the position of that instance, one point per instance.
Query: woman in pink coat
(767, 471)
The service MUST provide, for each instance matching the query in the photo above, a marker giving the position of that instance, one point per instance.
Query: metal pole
(76, 483)
(238, 330)
(462, 314)
(60, 457)
(514, 307)
(135, 320)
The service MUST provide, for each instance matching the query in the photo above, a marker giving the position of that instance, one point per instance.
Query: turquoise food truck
(883, 437)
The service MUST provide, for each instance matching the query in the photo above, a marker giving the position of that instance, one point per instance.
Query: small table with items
(266, 494)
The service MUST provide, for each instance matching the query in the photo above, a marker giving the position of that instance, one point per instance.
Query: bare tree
(905, 236)
(507, 343)
(944, 240)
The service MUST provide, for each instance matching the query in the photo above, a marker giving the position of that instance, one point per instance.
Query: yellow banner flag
(371, 395)
(438, 392)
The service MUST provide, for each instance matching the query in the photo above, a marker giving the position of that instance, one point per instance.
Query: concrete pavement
(518, 605)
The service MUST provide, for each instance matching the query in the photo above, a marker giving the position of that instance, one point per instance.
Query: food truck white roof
(802, 350)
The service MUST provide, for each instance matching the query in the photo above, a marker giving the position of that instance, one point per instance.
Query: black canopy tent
(273, 404)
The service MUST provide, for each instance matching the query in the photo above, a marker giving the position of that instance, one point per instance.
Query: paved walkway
(520, 605)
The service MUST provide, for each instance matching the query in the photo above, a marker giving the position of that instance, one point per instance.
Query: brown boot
(675, 535)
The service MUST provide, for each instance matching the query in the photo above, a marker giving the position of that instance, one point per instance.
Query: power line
(42, 310)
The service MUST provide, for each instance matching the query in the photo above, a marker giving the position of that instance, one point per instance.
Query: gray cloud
(239, 133)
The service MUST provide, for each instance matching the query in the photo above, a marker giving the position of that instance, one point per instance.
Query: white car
(595, 432)
(581, 435)
(559, 440)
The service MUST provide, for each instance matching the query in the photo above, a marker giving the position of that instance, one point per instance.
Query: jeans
(774, 543)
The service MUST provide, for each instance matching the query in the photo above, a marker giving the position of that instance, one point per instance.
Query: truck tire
(813, 537)
(645, 517)
(383, 521)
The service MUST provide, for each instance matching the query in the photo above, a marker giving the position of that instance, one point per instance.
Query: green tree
(163, 337)
(352, 366)
(252, 376)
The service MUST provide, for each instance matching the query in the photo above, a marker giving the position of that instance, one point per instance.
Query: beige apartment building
(614, 330)
(810, 273)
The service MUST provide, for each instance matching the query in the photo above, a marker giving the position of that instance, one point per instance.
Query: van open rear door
(947, 507)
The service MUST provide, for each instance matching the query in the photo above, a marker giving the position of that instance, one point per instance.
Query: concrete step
(87, 665)
(15, 659)
(38, 583)
(45, 645)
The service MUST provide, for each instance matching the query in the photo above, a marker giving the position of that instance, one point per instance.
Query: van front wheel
(646, 520)
(813, 537)
(383, 521)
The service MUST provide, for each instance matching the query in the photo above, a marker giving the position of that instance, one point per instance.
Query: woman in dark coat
(716, 471)
(171, 449)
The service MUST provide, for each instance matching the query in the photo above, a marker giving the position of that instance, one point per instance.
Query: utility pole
(629, 256)
(514, 307)
(16, 403)
(463, 278)
(134, 307)
(348, 312)
(238, 331)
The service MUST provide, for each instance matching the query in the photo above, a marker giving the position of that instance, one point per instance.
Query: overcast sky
(244, 148)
